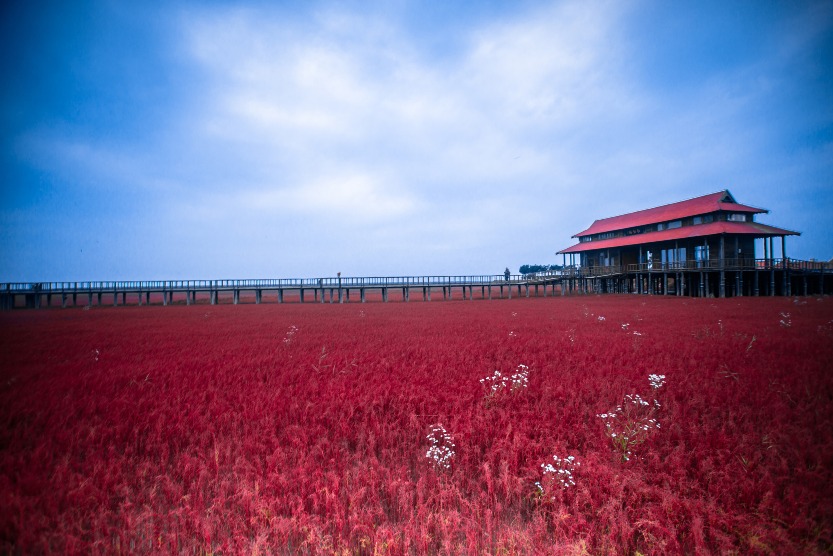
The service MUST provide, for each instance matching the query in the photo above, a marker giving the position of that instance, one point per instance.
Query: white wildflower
(441, 449)
(290, 334)
(656, 381)
(519, 379)
(630, 424)
(559, 472)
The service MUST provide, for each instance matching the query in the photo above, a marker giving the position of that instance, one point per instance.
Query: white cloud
(347, 125)
(360, 198)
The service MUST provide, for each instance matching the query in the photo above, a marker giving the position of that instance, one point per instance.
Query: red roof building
(710, 232)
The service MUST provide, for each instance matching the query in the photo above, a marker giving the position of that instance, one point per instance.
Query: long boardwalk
(714, 278)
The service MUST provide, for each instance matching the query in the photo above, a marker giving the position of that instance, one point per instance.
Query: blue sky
(163, 140)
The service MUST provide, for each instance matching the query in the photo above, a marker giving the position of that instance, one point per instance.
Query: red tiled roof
(721, 200)
(699, 230)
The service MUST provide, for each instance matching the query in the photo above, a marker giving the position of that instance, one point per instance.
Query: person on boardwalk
(506, 273)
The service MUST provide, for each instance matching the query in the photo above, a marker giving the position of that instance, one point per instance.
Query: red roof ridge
(674, 203)
(701, 204)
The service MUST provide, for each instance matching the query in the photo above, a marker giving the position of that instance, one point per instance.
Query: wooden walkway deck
(715, 278)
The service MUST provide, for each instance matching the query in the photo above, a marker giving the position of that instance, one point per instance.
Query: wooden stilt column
(821, 281)
(785, 264)
(771, 263)
(362, 294)
(738, 269)
(722, 266)
(280, 296)
(258, 294)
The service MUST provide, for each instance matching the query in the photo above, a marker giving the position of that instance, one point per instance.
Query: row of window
(703, 219)
(669, 225)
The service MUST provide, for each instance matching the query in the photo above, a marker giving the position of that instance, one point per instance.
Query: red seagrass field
(383, 428)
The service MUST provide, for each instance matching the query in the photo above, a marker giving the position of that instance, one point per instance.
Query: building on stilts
(709, 246)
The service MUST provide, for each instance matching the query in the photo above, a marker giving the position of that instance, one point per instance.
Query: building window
(606, 235)
(701, 255)
(697, 220)
(736, 218)
(660, 227)
(675, 224)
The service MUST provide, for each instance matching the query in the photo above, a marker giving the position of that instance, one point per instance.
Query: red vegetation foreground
(356, 428)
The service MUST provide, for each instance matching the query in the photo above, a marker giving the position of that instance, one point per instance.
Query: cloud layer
(272, 142)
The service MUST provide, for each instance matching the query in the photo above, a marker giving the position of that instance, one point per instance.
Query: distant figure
(506, 273)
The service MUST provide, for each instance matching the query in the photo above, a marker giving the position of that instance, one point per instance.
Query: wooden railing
(349, 282)
(711, 265)
(264, 284)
